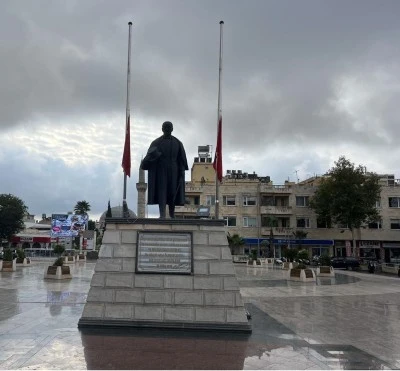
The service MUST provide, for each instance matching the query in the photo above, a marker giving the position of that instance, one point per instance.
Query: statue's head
(167, 128)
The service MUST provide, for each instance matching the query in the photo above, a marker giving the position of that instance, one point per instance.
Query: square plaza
(347, 322)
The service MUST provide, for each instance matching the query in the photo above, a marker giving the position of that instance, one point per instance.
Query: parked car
(346, 263)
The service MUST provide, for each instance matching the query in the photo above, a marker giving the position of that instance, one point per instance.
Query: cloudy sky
(303, 83)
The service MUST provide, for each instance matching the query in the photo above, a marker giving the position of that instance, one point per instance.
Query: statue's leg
(162, 210)
(171, 211)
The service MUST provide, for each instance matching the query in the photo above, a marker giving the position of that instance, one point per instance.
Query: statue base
(165, 273)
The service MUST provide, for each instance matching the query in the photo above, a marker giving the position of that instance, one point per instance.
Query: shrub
(59, 262)
(325, 260)
(8, 255)
(21, 254)
(58, 250)
(301, 266)
(302, 254)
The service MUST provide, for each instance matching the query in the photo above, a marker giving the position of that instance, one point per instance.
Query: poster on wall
(67, 225)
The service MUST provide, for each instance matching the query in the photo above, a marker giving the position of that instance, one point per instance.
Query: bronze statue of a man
(166, 164)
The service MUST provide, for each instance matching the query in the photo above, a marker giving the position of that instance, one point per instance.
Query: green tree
(347, 196)
(299, 236)
(290, 253)
(82, 207)
(12, 212)
(234, 241)
(302, 254)
(91, 225)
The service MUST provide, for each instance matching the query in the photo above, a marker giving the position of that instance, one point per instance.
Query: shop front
(370, 250)
(275, 250)
(391, 252)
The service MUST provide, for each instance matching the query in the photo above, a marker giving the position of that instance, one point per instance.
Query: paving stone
(148, 312)
(188, 298)
(178, 314)
(219, 298)
(128, 237)
(119, 280)
(210, 314)
(125, 251)
(129, 296)
(118, 311)
(178, 282)
(157, 297)
(206, 253)
(208, 283)
(111, 236)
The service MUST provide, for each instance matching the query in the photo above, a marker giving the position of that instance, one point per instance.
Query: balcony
(193, 189)
(276, 210)
(280, 189)
(187, 209)
(277, 231)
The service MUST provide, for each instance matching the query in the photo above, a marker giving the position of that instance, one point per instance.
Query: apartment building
(256, 209)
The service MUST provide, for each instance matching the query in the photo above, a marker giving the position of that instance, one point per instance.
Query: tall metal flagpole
(221, 23)
(127, 127)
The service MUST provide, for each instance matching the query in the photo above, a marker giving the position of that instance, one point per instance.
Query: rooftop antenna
(297, 176)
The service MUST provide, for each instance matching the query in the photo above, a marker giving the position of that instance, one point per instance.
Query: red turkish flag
(217, 165)
(126, 158)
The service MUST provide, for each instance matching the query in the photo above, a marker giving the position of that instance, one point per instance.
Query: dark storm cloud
(304, 77)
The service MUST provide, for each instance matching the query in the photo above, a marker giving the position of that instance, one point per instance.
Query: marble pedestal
(206, 299)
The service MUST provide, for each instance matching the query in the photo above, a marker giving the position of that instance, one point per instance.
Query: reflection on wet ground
(339, 279)
(350, 322)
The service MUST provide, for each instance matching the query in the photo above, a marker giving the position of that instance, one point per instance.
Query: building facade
(270, 215)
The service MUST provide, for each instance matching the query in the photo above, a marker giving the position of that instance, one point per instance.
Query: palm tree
(235, 241)
(300, 235)
(82, 208)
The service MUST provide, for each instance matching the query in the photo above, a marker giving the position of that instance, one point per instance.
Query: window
(378, 204)
(302, 201)
(230, 221)
(249, 221)
(394, 223)
(375, 225)
(394, 202)
(268, 201)
(249, 201)
(210, 200)
(323, 223)
(303, 223)
(269, 221)
(229, 200)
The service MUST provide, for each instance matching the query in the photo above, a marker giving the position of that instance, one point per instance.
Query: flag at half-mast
(217, 165)
(126, 158)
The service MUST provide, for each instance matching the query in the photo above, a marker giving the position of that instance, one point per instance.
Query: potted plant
(253, 260)
(301, 273)
(9, 262)
(58, 270)
(21, 258)
(325, 268)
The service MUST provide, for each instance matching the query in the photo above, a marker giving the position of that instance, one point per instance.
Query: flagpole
(127, 121)
(217, 182)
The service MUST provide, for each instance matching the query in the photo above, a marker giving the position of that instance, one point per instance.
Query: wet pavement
(348, 322)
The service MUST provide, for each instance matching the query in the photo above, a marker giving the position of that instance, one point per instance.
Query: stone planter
(303, 275)
(9, 266)
(80, 257)
(287, 265)
(390, 268)
(325, 271)
(58, 272)
(254, 263)
(69, 259)
(23, 262)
